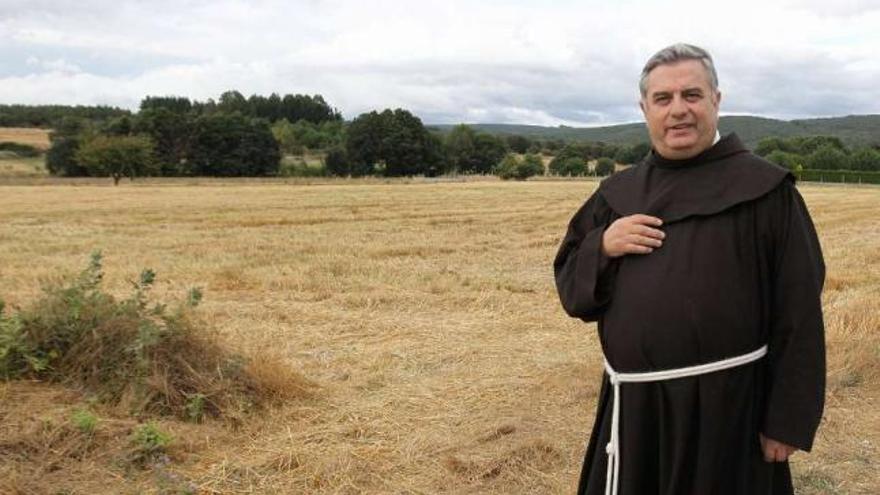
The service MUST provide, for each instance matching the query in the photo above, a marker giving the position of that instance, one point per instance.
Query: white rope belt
(613, 447)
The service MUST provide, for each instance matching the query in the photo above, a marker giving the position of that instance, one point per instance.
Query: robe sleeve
(584, 276)
(796, 359)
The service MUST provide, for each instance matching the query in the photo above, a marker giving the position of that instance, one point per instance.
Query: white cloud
(57, 65)
(566, 62)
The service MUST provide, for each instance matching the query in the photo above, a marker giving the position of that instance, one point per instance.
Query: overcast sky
(545, 63)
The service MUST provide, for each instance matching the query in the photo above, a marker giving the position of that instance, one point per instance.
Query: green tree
(810, 144)
(285, 134)
(232, 145)
(405, 144)
(174, 104)
(336, 162)
(531, 165)
(768, 145)
(460, 147)
(518, 144)
(574, 150)
(310, 108)
(437, 160)
(784, 159)
(571, 166)
(233, 101)
(394, 142)
(364, 143)
(506, 168)
(604, 166)
(865, 159)
(511, 167)
(826, 157)
(118, 156)
(488, 150)
(632, 154)
(66, 140)
(118, 126)
(170, 128)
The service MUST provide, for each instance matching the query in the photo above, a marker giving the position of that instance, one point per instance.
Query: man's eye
(693, 96)
(661, 99)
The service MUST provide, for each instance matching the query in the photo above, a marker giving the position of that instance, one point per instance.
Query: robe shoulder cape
(740, 267)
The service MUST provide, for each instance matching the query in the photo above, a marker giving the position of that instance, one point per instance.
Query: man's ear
(717, 99)
(645, 110)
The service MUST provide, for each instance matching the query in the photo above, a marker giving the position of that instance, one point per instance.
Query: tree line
(825, 153)
(174, 136)
(396, 143)
(51, 115)
(236, 136)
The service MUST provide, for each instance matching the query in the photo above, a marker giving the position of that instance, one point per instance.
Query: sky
(553, 63)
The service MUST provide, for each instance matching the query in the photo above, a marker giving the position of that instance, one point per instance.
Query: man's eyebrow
(694, 89)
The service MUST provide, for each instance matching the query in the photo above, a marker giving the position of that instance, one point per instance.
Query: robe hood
(720, 177)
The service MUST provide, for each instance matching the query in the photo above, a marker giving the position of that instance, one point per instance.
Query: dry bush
(136, 355)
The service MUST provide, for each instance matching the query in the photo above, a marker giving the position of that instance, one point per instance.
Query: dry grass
(17, 168)
(38, 138)
(424, 311)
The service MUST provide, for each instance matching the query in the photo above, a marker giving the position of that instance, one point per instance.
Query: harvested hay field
(424, 313)
(14, 167)
(38, 138)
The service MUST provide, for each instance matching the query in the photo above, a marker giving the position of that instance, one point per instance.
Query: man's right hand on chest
(633, 234)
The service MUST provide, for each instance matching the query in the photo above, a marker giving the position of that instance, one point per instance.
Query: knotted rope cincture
(613, 447)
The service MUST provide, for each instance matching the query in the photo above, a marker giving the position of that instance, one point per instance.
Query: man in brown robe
(701, 253)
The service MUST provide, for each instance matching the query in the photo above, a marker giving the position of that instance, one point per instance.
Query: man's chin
(683, 149)
(680, 151)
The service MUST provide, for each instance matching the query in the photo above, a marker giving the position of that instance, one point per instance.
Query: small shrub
(510, 167)
(12, 344)
(195, 407)
(506, 168)
(84, 421)
(531, 165)
(149, 443)
(141, 355)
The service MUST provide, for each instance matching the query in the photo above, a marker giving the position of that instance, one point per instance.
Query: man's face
(681, 109)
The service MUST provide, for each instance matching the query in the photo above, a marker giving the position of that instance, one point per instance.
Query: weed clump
(147, 357)
(84, 421)
(149, 443)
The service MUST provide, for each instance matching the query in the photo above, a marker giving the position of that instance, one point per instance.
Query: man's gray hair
(675, 53)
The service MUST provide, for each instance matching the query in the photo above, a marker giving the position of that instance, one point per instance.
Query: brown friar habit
(740, 267)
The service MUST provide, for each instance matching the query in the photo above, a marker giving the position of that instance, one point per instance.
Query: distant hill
(853, 130)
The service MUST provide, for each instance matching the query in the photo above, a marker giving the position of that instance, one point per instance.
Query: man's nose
(678, 107)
